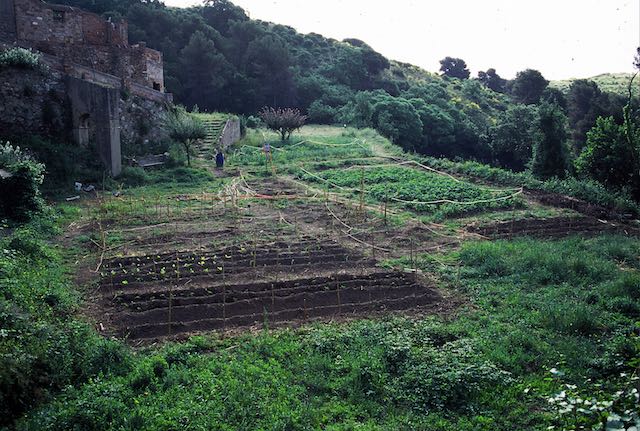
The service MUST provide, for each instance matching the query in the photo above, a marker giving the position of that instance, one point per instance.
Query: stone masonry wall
(7, 20)
(55, 105)
(139, 120)
(33, 101)
(51, 24)
(230, 134)
(78, 37)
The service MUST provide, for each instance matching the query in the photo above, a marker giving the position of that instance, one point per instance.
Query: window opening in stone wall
(58, 15)
(156, 86)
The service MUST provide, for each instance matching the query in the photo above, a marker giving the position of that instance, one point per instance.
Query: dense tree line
(219, 59)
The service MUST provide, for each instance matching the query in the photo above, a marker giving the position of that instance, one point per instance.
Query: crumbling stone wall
(79, 37)
(230, 134)
(96, 117)
(147, 67)
(7, 20)
(139, 121)
(33, 101)
(59, 105)
(97, 89)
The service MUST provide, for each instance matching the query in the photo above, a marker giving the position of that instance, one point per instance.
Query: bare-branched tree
(283, 120)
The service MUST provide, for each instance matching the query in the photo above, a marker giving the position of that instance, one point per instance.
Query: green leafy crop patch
(423, 192)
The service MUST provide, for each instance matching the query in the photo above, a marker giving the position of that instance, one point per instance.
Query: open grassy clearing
(318, 145)
(391, 321)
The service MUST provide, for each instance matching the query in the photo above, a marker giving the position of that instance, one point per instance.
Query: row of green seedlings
(180, 263)
(145, 268)
(148, 208)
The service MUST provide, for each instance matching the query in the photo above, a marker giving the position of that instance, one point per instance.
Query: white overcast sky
(561, 38)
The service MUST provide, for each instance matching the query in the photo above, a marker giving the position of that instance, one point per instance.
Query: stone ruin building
(97, 85)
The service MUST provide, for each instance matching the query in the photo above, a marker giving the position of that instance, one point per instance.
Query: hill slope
(617, 83)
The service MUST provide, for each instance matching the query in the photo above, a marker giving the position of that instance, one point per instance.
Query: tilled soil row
(557, 227)
(206, 288)
(234, 267)
(188, 258)
(223, 292)
(219, 266)
(275, 302)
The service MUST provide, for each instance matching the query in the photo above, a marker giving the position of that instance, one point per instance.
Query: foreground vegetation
(546, 334)
(546, 320)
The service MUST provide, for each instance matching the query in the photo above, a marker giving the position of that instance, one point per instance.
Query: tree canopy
(528, 86)
(454, 68)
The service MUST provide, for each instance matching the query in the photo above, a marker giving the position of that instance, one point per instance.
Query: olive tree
(184, 128)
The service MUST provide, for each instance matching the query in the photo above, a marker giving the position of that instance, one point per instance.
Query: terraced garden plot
(281, 257)
(135, 271)
(328, 149)
(555, 227)
(369, 229)
(220, 306)
(423, 192)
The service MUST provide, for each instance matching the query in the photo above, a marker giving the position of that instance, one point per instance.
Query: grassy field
(617, 83)
(525, 334)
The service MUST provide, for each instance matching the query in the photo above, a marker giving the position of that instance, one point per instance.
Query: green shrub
(253, 122)
(177, 156)
(133, 176)
(21, 190)
(148, 372)
(321, 113)
(65, 163)
(28, 243)
(20, 58)
(43, 349)
(571, 318)
(624, 305)
(184, 128)
(628, 285)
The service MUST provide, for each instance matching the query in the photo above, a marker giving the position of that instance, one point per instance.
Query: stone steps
(213, 128)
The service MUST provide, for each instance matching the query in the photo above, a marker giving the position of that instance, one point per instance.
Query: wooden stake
(254, 253)
(224, 298)
(385, 211)
(171, 293)
(304, 302)
(338, 292)
(373, 245)
(277, 263)
(362, 194)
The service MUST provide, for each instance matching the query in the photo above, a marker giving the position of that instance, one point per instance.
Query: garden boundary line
(444, 201)
(439, 201)
(413, 162)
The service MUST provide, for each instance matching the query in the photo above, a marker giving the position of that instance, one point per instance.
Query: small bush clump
(19, 184)
(20, 58)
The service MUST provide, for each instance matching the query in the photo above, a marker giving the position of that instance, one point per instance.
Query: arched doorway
(82, 132)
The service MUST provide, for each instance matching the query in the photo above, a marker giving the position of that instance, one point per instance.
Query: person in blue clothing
(219, 159)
